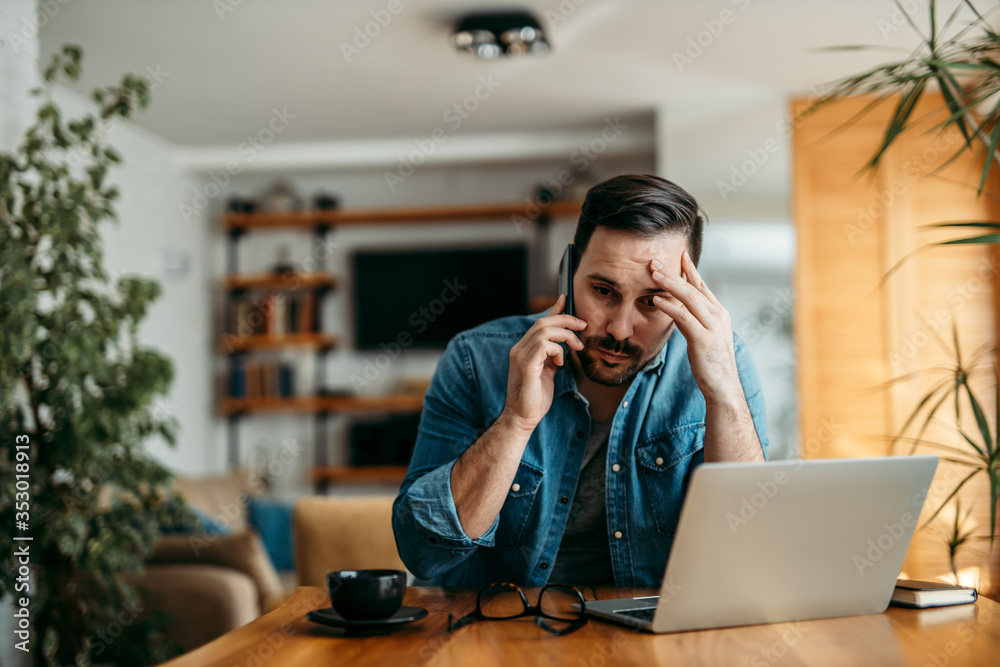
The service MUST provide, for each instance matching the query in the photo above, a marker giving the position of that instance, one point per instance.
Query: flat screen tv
(422, 298)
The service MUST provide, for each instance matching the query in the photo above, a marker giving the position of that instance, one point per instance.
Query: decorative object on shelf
(489, 35)
(544, 194)
(281, 198)
(238, 204)
(324, 201)
(258, 468)
(284, 263)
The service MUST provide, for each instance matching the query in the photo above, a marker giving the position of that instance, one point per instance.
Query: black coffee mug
(366, 594)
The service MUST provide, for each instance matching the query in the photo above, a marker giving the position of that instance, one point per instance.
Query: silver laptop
(784, 541)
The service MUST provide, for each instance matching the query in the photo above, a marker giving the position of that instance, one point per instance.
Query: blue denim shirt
(656, 438)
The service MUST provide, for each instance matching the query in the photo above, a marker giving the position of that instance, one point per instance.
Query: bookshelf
(289, 305)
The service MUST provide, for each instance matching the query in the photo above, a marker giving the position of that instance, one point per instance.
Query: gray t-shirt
(584, 553)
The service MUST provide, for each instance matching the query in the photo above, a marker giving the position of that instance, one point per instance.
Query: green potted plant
(960, 57)
(81, 504)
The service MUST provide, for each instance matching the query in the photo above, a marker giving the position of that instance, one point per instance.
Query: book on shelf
(237, 379)
(279, 314)
(307, 313)
(917, 594)
(261, 379)
(276, 314)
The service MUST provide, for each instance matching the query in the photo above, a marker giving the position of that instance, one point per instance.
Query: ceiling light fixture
(490, 35)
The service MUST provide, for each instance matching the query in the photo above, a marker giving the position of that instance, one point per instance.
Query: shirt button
(616, 467)
(579, 434)
(515, 487)
(544, 566)
(659, 460)
(618, 534)
(576, 397)
(564, 500)
(625, 404)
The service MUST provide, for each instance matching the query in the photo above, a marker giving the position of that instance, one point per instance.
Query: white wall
(151, 185)
(733, 153)
(18, 69)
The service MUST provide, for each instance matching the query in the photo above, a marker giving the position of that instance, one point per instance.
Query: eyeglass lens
(558, 604)
(499, 602)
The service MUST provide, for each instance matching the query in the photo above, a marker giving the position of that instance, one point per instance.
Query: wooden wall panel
(854, 335)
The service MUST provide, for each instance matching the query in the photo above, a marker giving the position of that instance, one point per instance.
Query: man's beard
(611, 374)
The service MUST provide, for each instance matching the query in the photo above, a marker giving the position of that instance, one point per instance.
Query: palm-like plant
(960, 57)
(952, 387)
(958, 537)
(963, 62)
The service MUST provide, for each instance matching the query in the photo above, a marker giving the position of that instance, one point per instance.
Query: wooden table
(964, 635)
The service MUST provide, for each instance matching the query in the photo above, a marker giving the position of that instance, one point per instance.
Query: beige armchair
(343, 533)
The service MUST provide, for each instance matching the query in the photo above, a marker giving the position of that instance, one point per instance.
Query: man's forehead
(630, 252)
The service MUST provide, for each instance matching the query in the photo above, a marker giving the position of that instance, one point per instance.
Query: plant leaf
(951, 495)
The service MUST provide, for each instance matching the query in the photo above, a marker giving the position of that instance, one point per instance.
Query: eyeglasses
(502, 602)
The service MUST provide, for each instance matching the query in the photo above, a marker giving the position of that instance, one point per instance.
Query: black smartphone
(566, 278)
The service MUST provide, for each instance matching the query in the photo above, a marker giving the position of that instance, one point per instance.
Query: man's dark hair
(643, 205)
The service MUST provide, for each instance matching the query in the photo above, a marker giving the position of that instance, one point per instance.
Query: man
(536, 463)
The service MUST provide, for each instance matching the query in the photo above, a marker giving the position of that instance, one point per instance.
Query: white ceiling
(225, 71)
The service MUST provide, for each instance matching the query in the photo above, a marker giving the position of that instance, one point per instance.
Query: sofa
(211, 584)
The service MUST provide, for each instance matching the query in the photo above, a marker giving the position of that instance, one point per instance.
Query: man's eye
(649, 302)
(603, 291)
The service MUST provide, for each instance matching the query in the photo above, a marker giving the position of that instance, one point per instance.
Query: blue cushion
(193, 520)
(272, 519)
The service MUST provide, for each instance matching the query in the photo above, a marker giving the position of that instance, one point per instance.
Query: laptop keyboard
(645, 614)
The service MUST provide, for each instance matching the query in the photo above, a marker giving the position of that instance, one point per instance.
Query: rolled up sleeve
(429, 535)
(753, 391)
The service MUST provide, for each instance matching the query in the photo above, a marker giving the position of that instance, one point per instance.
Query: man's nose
(620, 325)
